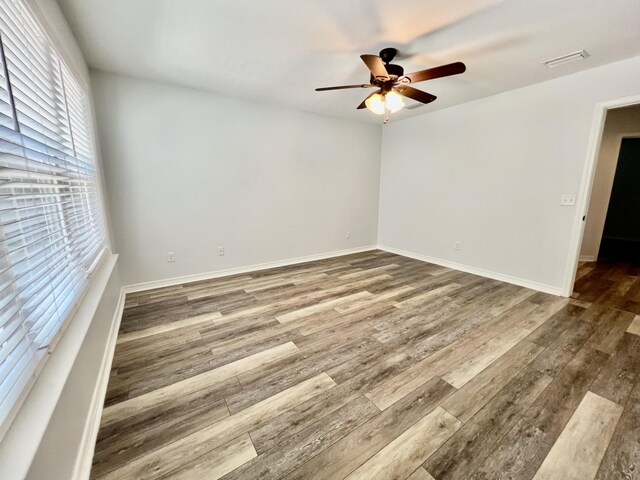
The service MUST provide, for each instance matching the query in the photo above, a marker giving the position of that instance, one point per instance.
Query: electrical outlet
(171, 257)
(348, 235)
(456, 246)
(220, 251)
(567, 200)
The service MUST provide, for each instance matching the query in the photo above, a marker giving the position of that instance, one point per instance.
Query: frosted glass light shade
(375, 103)
(394, 101)
(378, 102)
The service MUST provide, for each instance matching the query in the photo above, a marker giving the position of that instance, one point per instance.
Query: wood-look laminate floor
(371, 366)
(612, 284)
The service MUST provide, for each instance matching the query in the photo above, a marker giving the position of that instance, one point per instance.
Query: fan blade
(416, 94)
(363, 104)
(437, 72)
(374, 63)
(342, 87)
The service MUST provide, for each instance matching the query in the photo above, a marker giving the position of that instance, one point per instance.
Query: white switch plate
(568, 199)
(171, 257)
(348, 235)
(220, 251)
(456, 246)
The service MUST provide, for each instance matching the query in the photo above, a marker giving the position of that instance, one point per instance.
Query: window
(51, 227)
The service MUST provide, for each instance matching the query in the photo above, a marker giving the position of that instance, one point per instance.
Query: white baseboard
(169, 282)
(588, 258)
(82, 467)
(477, 271)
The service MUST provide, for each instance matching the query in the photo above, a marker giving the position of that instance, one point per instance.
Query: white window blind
(51, 228)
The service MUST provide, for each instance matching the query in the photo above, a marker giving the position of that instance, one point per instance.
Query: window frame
(83, 280)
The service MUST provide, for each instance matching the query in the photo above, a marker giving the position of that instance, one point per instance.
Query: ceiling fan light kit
(393, 84)
(393, 101)
(378, 103)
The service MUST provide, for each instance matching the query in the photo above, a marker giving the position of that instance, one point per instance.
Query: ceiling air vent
(569, 57)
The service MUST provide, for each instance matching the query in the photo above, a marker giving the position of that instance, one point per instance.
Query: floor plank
(182, 451)
(179, 389)
(400, 457)
(218, 462)
(577, 453)
(456, 349)
(622, 458)
(375, 365)
(420, 474)
(615, 285)
(517, 456)
(297, 449)
(346, 455)
(634, 327)
(476, 440)
(620, 373)
(467, 368)
(168, 327)
(127, 440)
(466, 402)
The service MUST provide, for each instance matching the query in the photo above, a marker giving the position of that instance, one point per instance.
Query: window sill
(21, 441)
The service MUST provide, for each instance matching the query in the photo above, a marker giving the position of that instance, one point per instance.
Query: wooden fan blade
(437, 72)
(363, 104)
(416, 94)
(375, 64)
(342, 87)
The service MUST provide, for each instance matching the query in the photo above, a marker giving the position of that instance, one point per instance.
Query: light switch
(568, 199)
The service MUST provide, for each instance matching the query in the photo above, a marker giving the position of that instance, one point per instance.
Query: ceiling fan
(393, 84)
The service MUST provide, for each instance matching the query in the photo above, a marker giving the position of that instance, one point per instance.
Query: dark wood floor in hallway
(611, 284)
(373, 366)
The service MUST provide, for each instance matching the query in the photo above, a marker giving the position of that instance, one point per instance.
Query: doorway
(621, 235)
(609, 267)
(619, 124)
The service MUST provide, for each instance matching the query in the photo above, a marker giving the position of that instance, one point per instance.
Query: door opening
(621, 235)
(611, 223)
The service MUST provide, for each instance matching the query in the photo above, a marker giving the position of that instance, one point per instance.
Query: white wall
(619, 121)
(490, 174)
(187, 171)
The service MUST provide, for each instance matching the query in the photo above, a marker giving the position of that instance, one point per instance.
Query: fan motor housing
(394, 71)
(388, 54)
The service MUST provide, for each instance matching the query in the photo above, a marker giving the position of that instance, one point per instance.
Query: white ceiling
(278, 51)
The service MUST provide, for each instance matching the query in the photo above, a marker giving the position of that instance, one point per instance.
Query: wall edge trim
(82, 468)
(541, 287)
(140, 287)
